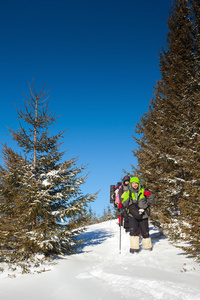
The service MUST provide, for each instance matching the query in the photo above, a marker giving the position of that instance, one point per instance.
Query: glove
(141, 210)
(120, 205)
(147, 193)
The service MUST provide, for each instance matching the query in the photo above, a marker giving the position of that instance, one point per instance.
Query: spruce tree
(167, 153)
(48, 188)
(13, 210)
(190, 204)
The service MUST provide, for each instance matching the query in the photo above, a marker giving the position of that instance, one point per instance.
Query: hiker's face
(134, 185)
(126, 182)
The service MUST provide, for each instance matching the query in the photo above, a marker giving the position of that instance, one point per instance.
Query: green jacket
(138, 198)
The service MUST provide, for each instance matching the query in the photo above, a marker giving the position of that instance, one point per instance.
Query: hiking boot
(134, 250)
(146, 243)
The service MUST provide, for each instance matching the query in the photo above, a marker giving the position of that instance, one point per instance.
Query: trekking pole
(120, 223)
(120, 206)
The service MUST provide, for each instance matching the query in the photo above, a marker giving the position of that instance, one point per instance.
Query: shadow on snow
(92, 238)
(155, 235)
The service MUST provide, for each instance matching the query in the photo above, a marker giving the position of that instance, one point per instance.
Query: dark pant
(125, 217)
(137, 226)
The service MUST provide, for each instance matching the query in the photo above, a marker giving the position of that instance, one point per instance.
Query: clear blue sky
(100, 59)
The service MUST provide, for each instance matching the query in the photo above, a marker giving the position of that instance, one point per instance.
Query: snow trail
(98, 272)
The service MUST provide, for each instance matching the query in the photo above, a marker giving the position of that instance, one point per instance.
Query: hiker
(117, 187)
(137, 200)
(117, 201)
(122, 190)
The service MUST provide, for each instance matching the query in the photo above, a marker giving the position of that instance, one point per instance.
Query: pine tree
(107, 214)
(190, 204)
(14, 212)
(167, 153)
(49, 189)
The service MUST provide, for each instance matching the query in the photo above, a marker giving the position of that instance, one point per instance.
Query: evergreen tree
(107, 214)
(167, 153)
(14, 212)
(43, 193)
(92, 218)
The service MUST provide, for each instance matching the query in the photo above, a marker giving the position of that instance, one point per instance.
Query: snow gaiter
(134, 244)
(146, 243)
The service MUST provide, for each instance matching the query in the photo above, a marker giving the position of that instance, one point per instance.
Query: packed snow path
(99, 272)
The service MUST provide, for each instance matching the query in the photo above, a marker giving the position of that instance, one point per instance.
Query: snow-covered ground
(99, 272)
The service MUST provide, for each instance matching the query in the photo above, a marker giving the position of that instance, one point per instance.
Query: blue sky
(100, 59)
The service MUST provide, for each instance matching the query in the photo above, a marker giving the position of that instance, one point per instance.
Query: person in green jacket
(137, 200)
